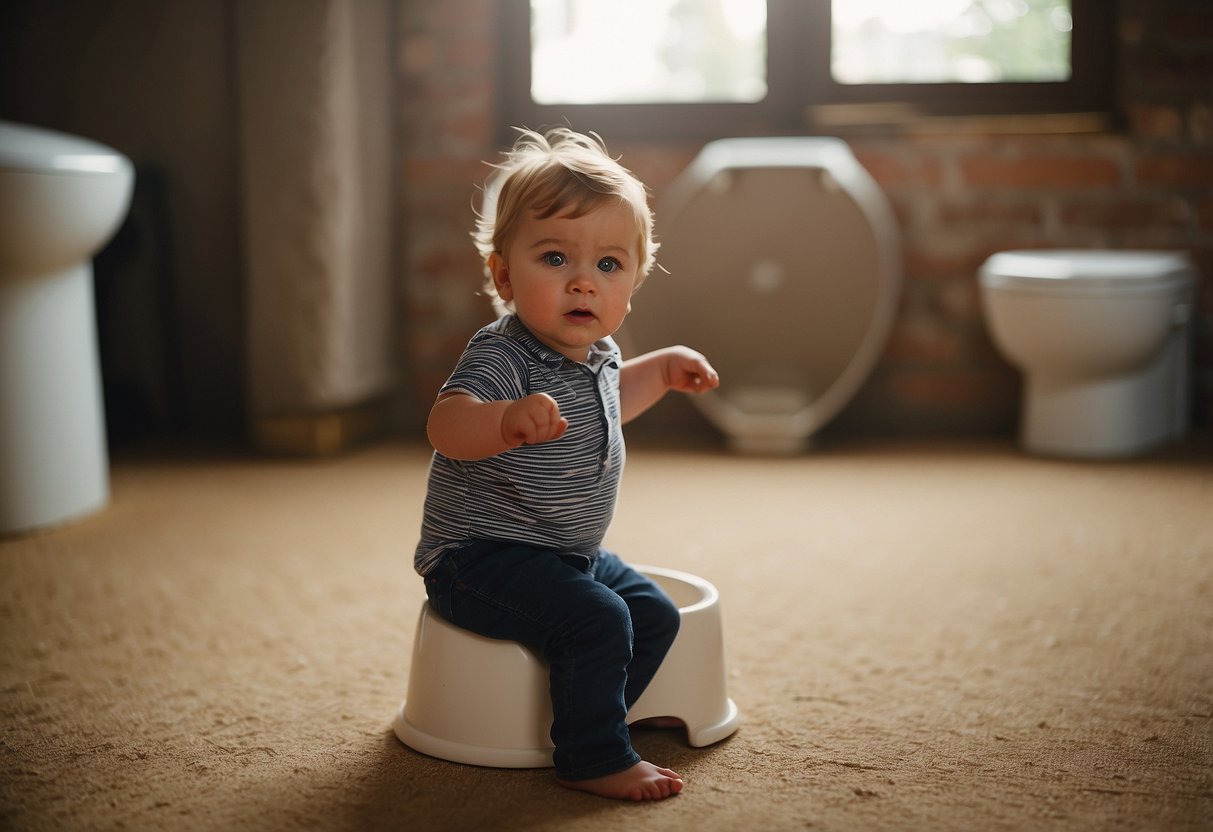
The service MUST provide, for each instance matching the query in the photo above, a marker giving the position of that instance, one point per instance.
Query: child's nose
(582, 282)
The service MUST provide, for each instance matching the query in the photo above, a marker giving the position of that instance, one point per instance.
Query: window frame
(802, 96)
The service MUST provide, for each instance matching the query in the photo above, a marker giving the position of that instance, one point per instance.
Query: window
(950, 41)
(698, 68)
(648, 51)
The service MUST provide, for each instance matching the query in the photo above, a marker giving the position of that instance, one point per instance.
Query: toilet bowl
(784, 269)
(61, 199)
(1102, 339)
(485, 701)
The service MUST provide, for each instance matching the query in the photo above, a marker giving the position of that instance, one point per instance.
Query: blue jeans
(603, 628)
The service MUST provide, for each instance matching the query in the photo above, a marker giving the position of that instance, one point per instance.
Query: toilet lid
(1078, 270)
(37, 150)
(781, 262)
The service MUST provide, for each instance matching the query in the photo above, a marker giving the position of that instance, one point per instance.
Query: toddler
(529, 451)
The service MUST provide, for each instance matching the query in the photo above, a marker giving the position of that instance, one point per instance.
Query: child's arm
(646, 378)
(463, 427)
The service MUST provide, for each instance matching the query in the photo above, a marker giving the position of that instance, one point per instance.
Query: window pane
(946, 41)
(648, 51)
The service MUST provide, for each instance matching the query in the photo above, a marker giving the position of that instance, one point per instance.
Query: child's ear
(501, 276)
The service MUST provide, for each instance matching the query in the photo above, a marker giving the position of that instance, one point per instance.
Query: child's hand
(689, 372)
(532, 420)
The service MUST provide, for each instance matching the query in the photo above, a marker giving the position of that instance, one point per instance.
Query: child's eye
(608, 265)
(554, 259)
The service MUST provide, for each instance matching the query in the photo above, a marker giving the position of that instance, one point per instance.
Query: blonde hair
(560, 172)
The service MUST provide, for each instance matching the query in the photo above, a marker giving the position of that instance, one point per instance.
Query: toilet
(783, 264)
(61, 199)
(1102, 339)
(486, 702)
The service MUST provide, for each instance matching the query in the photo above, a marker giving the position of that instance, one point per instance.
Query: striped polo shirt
(558, 495)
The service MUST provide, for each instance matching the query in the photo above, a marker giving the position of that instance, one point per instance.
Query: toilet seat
(1086, 272)
(38, 150)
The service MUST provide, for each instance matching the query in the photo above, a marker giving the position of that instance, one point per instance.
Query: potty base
(418, 739)
(485, 701)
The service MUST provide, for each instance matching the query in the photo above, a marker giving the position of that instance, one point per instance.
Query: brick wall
(959, 198)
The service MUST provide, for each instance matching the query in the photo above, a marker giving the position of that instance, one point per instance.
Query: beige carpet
(926, 637)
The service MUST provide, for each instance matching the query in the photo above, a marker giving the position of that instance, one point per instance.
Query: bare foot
(643, 781)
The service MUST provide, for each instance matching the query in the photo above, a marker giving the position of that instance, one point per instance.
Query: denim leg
(581, 627)
(655, 620)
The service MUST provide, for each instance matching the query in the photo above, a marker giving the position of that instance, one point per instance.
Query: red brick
(416, 56)
(960, 300)
(923, 341)
(1041, 172)
(1125, 213)
(907, 211)
(923, 262)
(454, 94)
(1155, 122)
(989, 211)
(469, 51)
(467, 134)
(1177, 170)
(954, 387)
(893, 170)
(463, 14)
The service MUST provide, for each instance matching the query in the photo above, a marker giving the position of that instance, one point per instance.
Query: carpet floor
(937, 636)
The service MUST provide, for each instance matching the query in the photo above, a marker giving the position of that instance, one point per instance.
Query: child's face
(571, 279)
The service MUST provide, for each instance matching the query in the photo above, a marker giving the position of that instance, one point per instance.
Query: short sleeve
(491, 369)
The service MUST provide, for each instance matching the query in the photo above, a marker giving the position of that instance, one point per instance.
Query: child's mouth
(580, 315)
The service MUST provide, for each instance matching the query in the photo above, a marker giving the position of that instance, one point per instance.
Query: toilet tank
(783, 267)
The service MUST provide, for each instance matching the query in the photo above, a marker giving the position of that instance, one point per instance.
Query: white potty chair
(485, 701)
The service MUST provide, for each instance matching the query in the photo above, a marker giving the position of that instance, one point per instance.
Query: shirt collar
(601, 352)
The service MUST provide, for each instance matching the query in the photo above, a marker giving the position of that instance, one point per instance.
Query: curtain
(315, 102)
